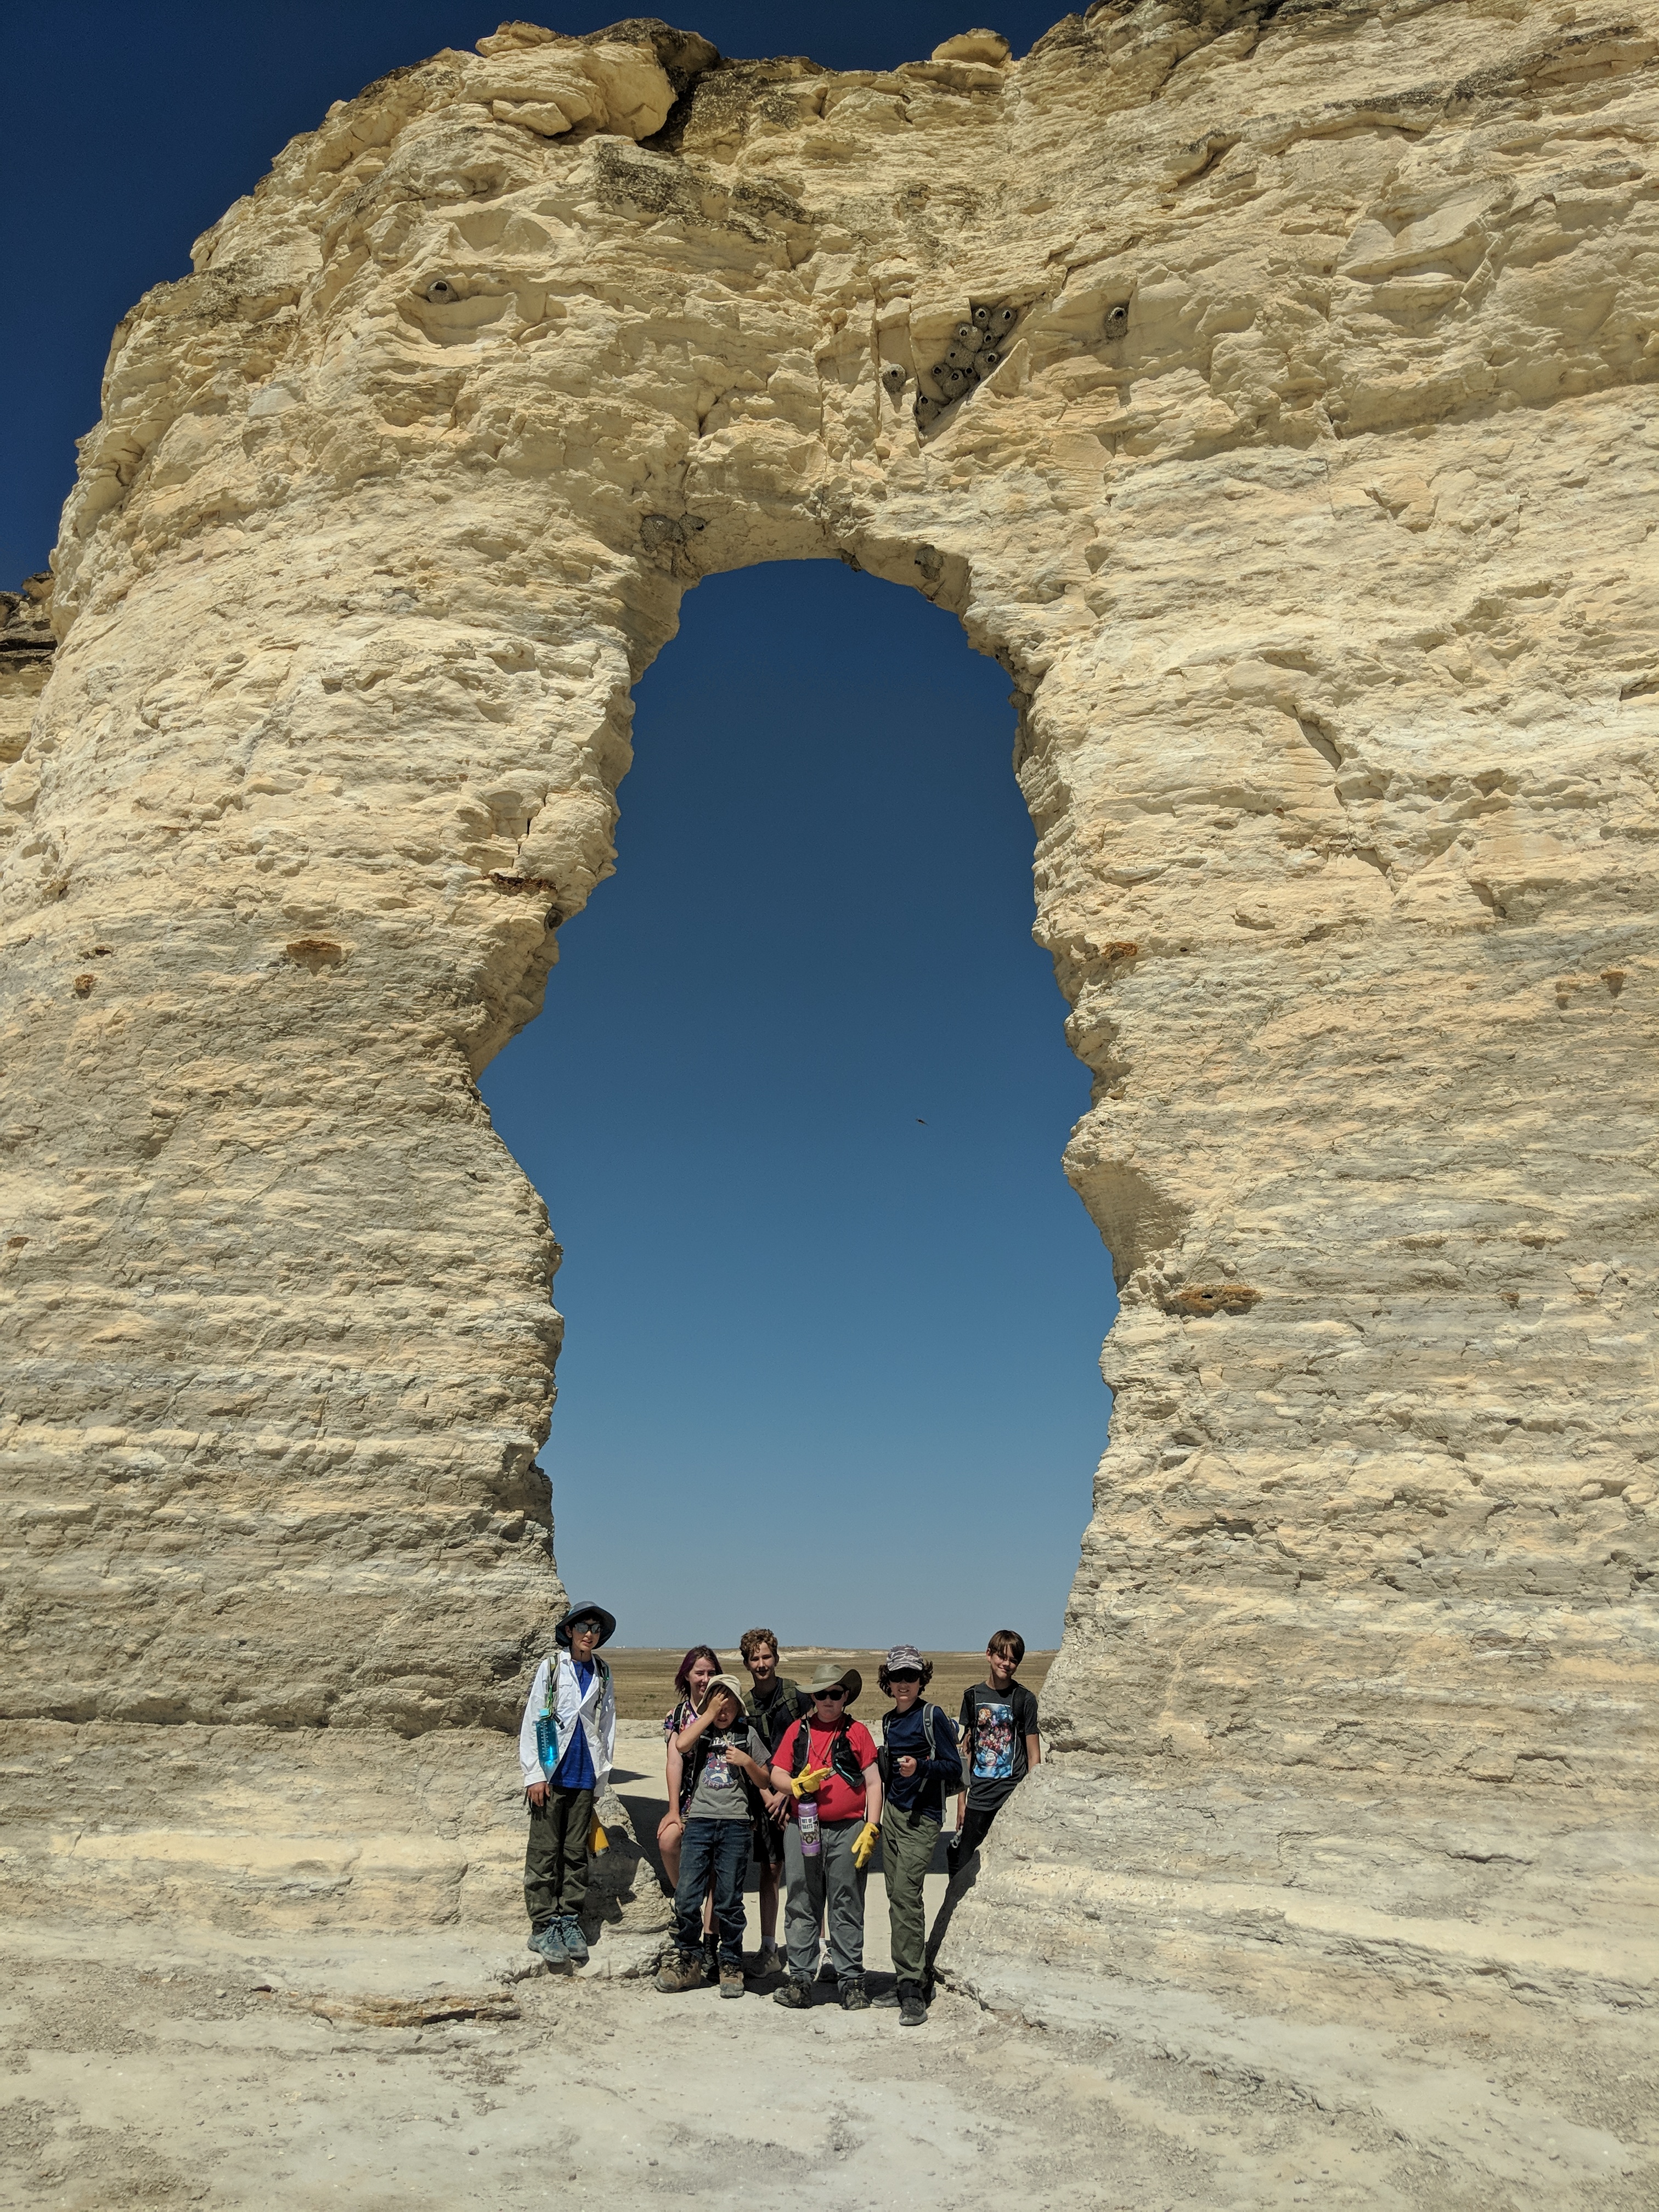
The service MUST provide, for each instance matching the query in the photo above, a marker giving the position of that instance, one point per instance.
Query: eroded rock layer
(1273, 391)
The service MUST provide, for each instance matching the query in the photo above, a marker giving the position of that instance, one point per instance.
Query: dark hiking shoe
(885, 2000)
(853, 1998)
(913, 2012)
(681, 1969)
(796, 1993)
(576, 1943)
(548, 1944)
(731, 1981)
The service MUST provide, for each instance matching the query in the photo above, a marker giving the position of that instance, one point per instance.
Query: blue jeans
(716, 1851)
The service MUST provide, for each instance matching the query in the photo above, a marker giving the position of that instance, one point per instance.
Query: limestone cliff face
(1299, 466)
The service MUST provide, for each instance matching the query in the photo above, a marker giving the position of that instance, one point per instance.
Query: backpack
(841, 1755)
(928, 1713)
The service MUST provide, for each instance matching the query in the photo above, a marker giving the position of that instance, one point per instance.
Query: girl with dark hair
(697, 1671)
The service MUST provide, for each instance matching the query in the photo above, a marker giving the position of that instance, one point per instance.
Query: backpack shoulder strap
(802, 1744)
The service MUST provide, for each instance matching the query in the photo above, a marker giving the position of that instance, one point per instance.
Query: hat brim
(722, 1686)
(850, 1681)
(607, 1623)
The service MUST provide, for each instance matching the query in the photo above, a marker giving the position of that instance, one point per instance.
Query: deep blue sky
(825, 1364)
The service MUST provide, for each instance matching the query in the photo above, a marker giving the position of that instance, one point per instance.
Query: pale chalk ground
(148, 2068)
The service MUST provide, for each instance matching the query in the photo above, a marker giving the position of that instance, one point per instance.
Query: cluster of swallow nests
(976, 346)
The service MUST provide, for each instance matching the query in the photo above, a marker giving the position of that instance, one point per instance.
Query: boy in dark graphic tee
(998, 1732)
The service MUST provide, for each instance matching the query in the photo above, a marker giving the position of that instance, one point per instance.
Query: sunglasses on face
(830, 1697)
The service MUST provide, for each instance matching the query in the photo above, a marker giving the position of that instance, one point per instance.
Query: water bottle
(807, 1821)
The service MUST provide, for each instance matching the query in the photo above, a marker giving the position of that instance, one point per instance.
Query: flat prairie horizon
(644, 1673)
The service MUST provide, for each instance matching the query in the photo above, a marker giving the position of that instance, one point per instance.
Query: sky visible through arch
(796, 1101)
(824, 901)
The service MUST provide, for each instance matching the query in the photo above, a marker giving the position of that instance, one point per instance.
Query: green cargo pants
(555, 1856)
(907, 1852)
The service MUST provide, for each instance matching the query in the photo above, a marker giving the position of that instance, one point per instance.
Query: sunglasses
(830, 1697)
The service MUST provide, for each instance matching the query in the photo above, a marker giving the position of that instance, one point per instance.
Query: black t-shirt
(994, 1725)
(783, 1704)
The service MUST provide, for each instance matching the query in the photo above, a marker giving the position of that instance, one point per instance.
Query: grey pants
(907, 1852)
(555, 1856)
(830, 1878)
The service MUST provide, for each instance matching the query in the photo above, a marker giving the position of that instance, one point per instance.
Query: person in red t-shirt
(827, 1763)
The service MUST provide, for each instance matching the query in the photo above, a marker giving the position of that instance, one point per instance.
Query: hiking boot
(681, 1969)
(548, 1943)
(885, 2000)
(853, 1998)
(796, 1993)
(913, 2012)
(730, 1980)
(576, 1943)
(768, 1959)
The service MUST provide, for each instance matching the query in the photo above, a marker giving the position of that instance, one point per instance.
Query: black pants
(555, 1856)
(976, 1825)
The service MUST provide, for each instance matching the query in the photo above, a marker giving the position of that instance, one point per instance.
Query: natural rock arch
(1305, 508)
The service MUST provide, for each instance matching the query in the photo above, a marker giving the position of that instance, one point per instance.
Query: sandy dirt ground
(150, 2064)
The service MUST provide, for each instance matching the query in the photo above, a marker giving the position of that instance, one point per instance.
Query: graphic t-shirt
(835, 1799)
(994, 1725)
(719, 1794)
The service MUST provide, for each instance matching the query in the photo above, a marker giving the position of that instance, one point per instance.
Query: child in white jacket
(567, 1741)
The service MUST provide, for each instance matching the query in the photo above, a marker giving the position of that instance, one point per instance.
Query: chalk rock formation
(1272, 391)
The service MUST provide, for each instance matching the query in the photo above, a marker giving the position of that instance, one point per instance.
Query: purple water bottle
(807, 1821)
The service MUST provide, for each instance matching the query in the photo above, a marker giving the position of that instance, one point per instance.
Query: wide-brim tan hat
(828, 1678)
(720, 1682)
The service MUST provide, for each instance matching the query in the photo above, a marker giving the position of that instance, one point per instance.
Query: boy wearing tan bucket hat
(724, 1763)
(827, 1762)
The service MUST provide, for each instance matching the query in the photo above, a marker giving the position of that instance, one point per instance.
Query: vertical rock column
(278, 1298)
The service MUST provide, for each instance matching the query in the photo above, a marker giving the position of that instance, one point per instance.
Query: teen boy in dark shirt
(999, 1731)
(774, 1701)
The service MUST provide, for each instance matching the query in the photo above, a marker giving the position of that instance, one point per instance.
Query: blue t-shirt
(576, 1769)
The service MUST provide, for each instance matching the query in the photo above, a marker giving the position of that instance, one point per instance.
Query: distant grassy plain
(645, 1678)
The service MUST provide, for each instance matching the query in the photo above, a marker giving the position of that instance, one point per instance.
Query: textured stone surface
(1310, 508)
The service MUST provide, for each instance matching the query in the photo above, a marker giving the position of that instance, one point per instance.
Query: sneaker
(730, 1980)
(796, 1993)
(913, 2013)
(576, 1943)
(853, 1995)
(680, 1969)
(549, 1944)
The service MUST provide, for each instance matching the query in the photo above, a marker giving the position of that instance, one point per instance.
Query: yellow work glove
(869, 1836)
(802, 1785)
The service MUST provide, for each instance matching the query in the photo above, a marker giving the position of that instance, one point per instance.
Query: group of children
(788, 1774)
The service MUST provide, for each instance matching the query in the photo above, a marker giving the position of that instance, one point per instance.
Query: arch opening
(797, 1102)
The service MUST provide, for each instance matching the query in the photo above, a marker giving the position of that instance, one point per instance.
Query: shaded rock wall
(1308, 505)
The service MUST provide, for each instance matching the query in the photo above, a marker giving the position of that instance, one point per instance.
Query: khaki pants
(907, 1852)
(555, 1856)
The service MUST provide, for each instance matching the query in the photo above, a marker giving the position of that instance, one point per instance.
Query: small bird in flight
(920, 1124)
